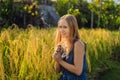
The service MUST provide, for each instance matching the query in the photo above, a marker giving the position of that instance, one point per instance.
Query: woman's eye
(64, 26)
(60, 26)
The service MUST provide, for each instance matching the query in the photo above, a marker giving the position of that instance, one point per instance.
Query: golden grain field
(27, 54)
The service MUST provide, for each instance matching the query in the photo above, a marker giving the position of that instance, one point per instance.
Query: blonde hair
(73, 27)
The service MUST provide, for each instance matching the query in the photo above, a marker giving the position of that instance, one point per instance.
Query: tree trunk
(92, 19)
(99, 15)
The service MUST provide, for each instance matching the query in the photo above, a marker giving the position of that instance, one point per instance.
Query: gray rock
(48, 15)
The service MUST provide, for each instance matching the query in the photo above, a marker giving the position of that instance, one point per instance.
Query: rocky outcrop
(48, 15)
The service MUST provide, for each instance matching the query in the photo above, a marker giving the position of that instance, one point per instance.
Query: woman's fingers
(57, 57)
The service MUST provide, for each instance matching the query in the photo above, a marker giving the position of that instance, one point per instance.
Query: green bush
(19, 13)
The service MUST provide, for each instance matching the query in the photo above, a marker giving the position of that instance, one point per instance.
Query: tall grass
(100, 45)
(27, 54)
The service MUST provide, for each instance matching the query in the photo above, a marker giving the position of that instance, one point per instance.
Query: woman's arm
(57, 57)
(79, 51)
(57, 67)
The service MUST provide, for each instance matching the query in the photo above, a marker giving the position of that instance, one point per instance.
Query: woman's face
(64, 29)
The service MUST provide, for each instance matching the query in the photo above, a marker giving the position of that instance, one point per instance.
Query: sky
(116, 1)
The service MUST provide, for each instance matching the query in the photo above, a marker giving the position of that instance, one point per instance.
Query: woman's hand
(57, 57)
(58, 53)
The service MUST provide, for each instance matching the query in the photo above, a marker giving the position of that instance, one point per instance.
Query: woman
(69, 55)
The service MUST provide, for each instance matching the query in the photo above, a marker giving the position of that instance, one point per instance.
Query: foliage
(75, 7)
(19, 13)
(74, 12)
(30, 9)
(6, 12)
(27, 54)
(116, 48)
(98, 13)
(62, 7)
(105, 12)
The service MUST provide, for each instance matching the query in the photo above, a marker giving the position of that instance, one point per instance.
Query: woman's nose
(61, 30)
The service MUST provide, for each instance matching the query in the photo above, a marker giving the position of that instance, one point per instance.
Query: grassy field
(27, 54)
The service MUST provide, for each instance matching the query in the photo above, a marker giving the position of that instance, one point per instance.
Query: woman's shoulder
(79, 47)
(79, 43)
